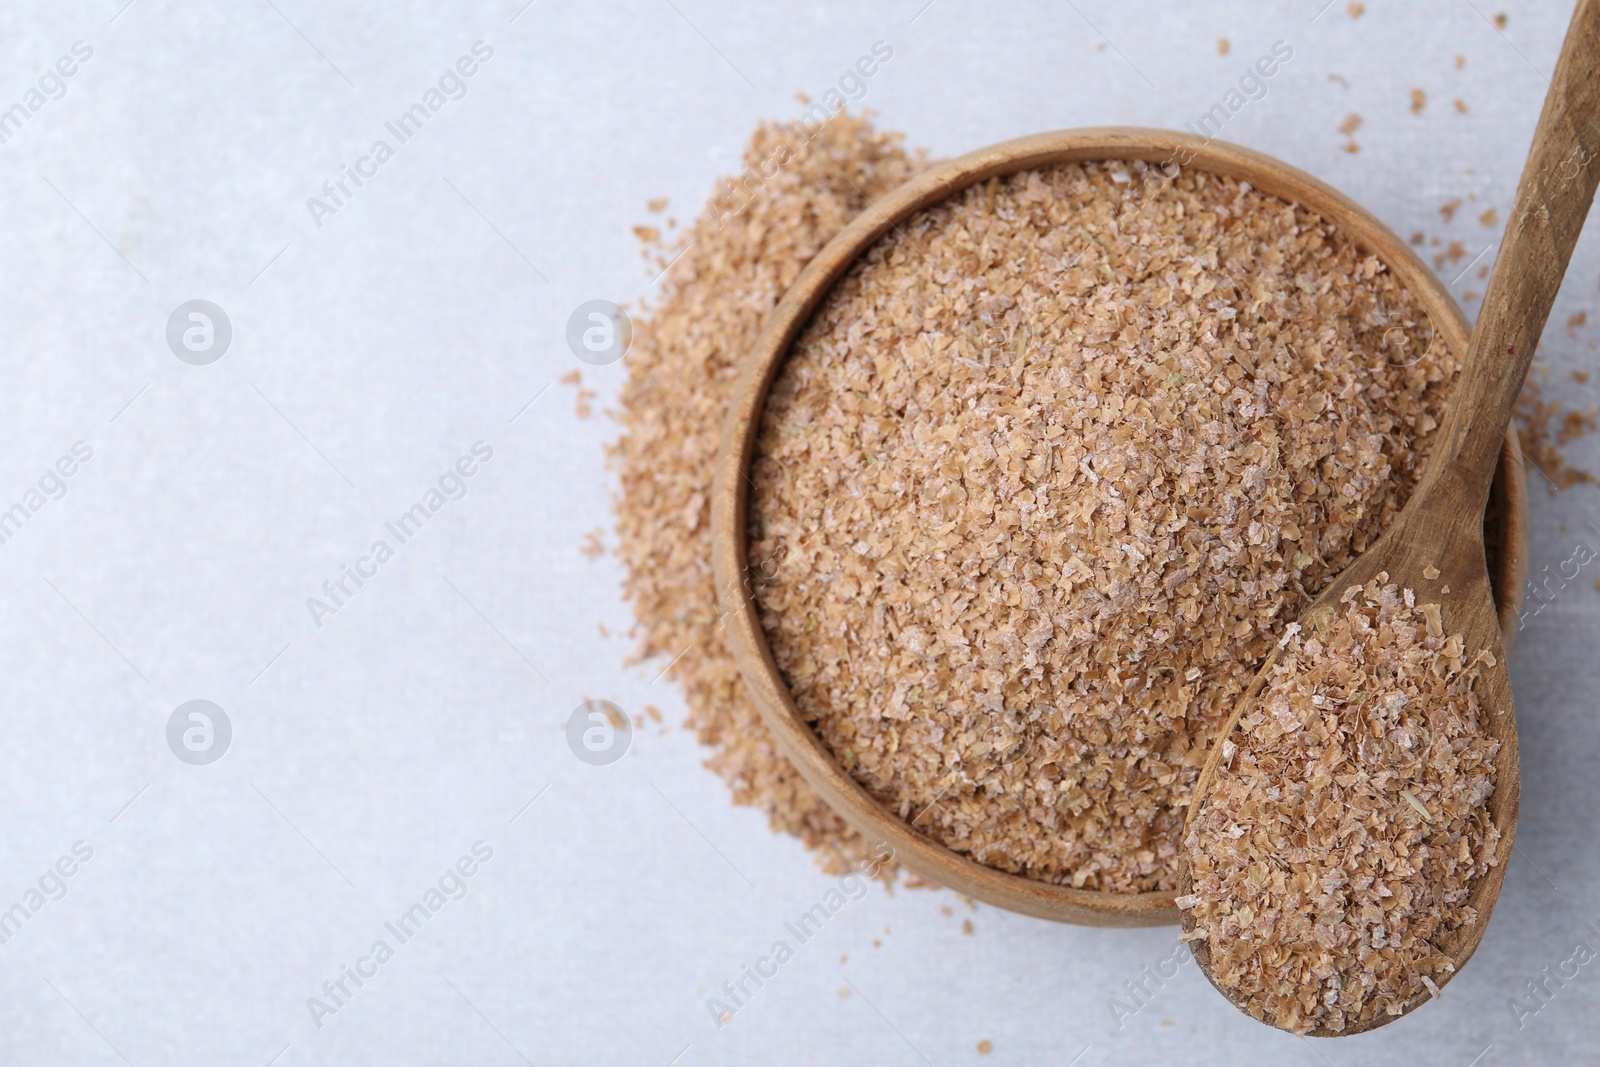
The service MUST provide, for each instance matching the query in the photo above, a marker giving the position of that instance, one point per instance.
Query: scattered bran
(730, 271)
(1546, 427)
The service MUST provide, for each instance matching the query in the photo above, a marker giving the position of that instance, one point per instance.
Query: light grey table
(375, 340)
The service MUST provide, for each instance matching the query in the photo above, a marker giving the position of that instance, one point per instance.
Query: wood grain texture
(1439, 526)
(730, 495)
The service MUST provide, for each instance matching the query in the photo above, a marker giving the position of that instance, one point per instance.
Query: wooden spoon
(1435, 546)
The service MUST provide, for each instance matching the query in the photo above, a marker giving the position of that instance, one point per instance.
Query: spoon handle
(1553, 197)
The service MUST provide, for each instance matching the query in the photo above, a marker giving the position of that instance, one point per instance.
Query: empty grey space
(407, 743)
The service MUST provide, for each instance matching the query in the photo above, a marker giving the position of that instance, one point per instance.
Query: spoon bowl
(1423, 542)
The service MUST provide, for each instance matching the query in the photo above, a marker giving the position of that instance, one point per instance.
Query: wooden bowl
(1508, 507)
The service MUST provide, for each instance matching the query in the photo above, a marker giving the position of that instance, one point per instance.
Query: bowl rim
(730, 492)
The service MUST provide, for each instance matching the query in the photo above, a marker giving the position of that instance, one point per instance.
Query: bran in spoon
(1348, 820)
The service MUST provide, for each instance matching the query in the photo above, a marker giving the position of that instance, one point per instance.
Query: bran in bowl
(1045, 477)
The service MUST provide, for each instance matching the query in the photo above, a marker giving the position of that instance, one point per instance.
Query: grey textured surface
(370, 753)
